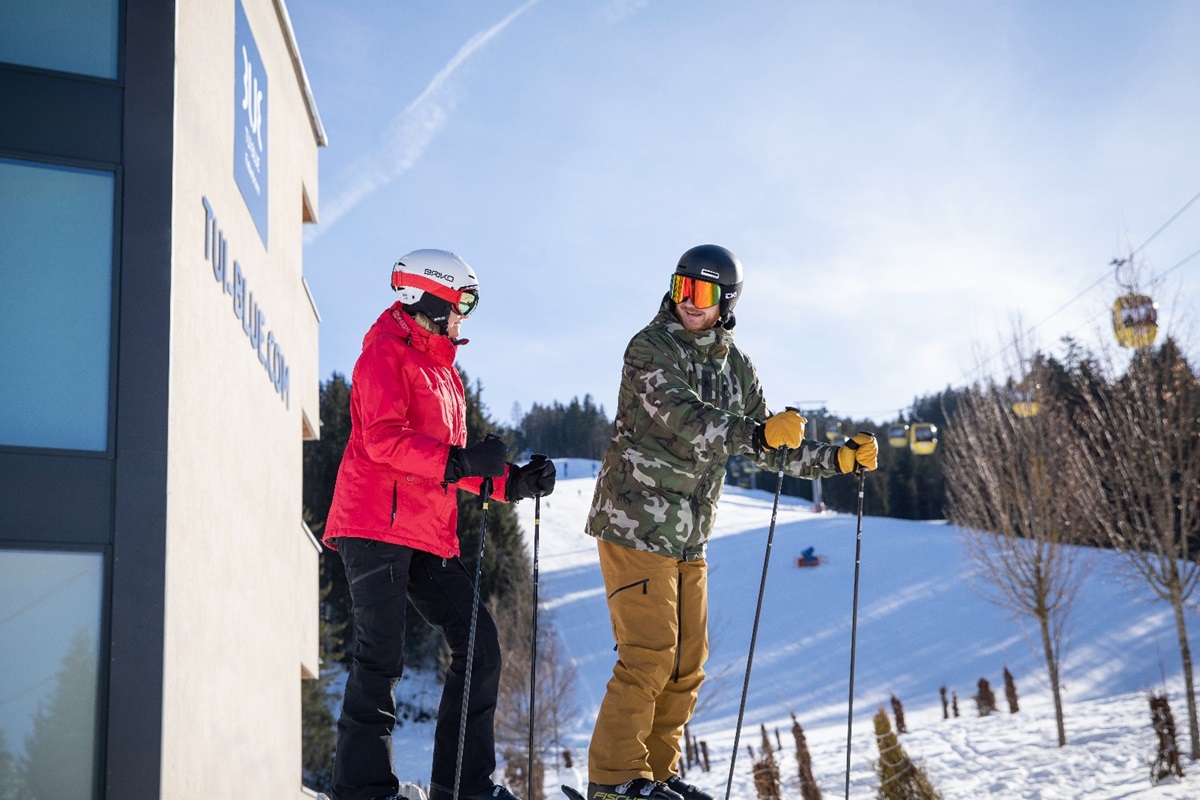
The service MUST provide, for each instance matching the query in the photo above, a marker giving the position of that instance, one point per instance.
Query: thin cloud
(409, 134)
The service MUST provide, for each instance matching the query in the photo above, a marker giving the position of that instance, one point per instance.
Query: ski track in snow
(922, 623)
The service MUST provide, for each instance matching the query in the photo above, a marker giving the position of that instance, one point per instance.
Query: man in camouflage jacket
(689, 399)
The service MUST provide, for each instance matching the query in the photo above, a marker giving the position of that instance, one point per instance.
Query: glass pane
(66, 35)
(49, 673)
(56, 243)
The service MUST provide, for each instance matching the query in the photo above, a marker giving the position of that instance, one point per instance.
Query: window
(56, 275)
(49, 675)
(68, 35)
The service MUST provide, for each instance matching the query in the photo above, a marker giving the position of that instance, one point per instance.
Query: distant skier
(689, 399)
(394, 522)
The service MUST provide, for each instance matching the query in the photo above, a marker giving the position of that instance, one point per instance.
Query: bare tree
(1005, 490)
(1140, 469)
(555, 692)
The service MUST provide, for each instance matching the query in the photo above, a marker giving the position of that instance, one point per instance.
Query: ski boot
(686, 790)
(496, 792)
(635, 789)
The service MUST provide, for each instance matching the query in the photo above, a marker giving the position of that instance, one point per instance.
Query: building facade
(158, 347)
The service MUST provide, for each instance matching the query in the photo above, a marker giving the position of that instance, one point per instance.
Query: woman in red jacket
(394, 521)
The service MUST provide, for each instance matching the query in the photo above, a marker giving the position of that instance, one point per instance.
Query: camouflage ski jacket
(687, 402)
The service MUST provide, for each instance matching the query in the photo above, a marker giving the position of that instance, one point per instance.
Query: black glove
(535, 479)
(485, 459)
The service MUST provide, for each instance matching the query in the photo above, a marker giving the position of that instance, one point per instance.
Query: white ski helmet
(435, 282)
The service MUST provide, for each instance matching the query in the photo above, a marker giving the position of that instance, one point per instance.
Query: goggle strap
(453, 296)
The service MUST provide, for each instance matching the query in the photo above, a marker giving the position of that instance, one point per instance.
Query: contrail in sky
(409, 134)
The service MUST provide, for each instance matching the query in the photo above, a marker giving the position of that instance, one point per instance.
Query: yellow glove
(784, 429)
(860, 452)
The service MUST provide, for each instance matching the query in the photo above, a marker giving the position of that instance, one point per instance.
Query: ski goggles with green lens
(461, 300)
(704, 294)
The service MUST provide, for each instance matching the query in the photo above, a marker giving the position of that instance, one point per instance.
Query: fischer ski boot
(686, 790)
(635, 789)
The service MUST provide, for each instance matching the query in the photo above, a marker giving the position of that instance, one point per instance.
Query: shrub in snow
(985, 701)
(1166, 760)
(766, 771)
(899, 777)
(808, 784)
(898, 710)
(1010, 692)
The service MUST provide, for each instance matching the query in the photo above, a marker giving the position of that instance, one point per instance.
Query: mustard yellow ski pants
(659, 610)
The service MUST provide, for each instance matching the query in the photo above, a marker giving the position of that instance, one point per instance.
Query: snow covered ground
(923, 623)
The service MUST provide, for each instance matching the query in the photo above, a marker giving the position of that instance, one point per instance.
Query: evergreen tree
(60, 751)
(318, 699)
(12, 779)
(322, 457)
(576, 430)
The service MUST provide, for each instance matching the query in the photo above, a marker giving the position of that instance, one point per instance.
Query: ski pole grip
(538, 458)
(853, 445)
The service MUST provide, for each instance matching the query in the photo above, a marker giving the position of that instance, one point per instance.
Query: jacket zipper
(393, 522)
(706, 378)
(694, 502)
(644, 583)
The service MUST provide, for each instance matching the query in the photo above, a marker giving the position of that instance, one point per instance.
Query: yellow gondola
(897, 435)
(923, 438)
(1135, 320)
(833, 430)
(1025, 401)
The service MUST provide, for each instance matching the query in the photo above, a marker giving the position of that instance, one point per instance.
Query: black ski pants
(383, 578)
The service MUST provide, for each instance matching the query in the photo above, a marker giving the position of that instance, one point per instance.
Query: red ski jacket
(406, 410)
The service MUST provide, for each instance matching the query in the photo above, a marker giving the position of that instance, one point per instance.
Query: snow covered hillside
(923, 623)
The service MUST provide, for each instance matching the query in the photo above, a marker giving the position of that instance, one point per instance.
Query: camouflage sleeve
(811, 460)
(657, 370)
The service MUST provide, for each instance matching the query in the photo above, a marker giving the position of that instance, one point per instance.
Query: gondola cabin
(838, 439)
(833, 430)
(1135, 320)
(1025, 402)
(923, 438)
(897, 435)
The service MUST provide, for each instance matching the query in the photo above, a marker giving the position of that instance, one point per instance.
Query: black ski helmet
(711, 262)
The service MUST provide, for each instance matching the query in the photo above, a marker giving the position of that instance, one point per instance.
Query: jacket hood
(395, 321)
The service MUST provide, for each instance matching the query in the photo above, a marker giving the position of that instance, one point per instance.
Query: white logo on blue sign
(250, 123)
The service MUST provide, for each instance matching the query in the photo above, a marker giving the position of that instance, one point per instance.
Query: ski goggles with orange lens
(704, 294)
(461, 300)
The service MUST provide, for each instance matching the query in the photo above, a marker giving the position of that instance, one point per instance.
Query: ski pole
(862, 479)
(537, 532)
(737, 735)
(485, 492)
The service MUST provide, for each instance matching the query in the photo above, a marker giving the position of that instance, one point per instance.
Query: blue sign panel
(250, 123)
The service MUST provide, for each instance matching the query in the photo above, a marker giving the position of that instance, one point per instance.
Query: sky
(924, 621)
(903, 182)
